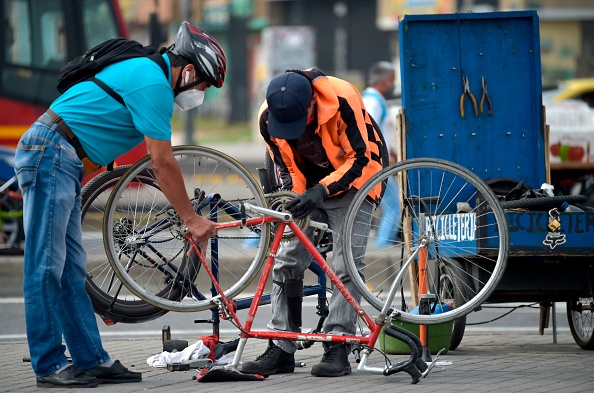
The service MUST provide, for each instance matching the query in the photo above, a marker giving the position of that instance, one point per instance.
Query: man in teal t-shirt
(49, 168)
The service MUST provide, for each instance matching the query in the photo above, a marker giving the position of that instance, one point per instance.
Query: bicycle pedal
(203, 321)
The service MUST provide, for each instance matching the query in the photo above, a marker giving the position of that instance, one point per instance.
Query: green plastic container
(439, 338)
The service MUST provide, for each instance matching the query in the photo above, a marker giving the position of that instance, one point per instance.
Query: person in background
(381, 78)
(49, 171)
(324, 147)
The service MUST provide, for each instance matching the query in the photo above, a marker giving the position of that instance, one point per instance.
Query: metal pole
(190, 115)
(554, 310)
(340, 39)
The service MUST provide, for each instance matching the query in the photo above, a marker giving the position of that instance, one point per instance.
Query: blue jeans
(56, 303)
(293, 259)
(391, 216)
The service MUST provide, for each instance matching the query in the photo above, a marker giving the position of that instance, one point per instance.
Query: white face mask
(190, 98)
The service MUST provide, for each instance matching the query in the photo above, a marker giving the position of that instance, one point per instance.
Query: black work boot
(116, 373)
(273, 361)
(334, 363)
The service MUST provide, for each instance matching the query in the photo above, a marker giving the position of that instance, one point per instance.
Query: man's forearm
(171, 182)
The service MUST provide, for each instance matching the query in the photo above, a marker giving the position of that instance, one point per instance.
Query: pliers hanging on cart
(486, 96)
(464, 93)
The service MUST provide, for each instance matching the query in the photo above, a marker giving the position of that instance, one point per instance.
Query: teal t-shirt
(106, 128)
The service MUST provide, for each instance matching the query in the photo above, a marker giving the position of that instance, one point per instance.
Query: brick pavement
(483, 363)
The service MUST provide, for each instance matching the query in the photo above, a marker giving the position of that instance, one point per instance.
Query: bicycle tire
(478, 238)
(271, 176)
(454, 287)
(143, 236)
(543, 203)
(111, 302)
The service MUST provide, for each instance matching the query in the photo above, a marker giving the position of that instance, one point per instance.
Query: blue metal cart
(472, 94)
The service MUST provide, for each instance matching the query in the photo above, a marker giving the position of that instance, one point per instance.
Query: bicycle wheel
(111, 300)
(144, 241)
(447, 212)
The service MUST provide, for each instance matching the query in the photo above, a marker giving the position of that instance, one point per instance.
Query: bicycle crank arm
(284, 216)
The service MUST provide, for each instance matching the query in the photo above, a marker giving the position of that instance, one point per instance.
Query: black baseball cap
(289, 98)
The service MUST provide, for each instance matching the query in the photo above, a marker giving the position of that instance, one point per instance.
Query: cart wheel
(581, 321)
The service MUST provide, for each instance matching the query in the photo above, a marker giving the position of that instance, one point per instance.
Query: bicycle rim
(144, 241)
(455, 213)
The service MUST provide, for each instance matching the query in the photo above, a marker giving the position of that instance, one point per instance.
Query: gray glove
(307, 202)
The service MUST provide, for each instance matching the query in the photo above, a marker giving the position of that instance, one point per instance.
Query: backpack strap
(109, 91)
(156, 57)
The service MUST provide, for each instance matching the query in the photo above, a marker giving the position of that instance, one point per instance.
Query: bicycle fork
(415, 366)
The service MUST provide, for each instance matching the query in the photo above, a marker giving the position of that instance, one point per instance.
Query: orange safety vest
(351, 142)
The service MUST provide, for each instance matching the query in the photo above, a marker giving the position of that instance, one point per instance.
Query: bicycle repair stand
(425, 309)
(323, 242)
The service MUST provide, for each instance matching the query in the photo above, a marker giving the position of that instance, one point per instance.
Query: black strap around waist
(63, 130)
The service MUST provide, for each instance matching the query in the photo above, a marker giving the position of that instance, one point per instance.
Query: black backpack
(86, 66)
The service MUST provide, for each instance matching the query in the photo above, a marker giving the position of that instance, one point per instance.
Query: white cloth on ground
(195, 351)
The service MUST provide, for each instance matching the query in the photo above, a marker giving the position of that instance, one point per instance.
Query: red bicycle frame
(414, 366)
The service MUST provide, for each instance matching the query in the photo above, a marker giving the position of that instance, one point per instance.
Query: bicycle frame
(216, 204)
(414, 366)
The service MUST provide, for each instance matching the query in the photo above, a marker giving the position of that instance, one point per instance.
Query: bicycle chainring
(278, 200)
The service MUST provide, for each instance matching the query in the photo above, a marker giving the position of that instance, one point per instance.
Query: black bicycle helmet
(203, 51)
